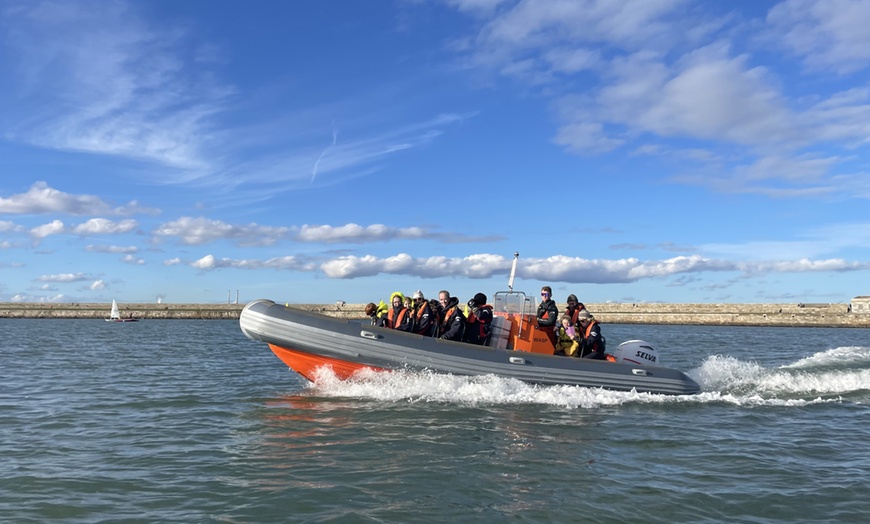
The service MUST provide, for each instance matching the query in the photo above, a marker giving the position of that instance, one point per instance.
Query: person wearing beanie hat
(592, 343)
(424, 317)
(479, 323)
(574, 307)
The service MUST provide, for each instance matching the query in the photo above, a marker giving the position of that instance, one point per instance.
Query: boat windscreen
(512, 302)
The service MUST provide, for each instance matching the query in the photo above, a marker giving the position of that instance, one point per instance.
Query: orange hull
(306, 364)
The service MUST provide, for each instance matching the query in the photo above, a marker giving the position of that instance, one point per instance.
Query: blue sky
(315, 151)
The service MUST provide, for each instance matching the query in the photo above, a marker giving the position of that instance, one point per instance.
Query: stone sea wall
(834, 315)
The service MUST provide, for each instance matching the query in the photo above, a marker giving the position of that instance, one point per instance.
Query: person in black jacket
(574, 307)
(592, 343)
(548, 314)
(452, 325)
(425, 320)
(478, 326)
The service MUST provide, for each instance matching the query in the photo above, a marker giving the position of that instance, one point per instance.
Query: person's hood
(397, 294)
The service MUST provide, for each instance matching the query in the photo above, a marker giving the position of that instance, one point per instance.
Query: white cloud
(290, 263)
(655, 75)
(102, 226)
(830, 35)
(97, 285)
(551, 269)
(132, 259)
(197, 231)
(10, 227)
(122, 87)
(45, 300)
(41, 198)
(357, 233)
(476, 5)
(112, 249)
(64, 278)
(172, 262)
(54, 227)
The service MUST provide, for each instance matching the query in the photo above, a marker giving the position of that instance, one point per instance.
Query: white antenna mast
(513, 271)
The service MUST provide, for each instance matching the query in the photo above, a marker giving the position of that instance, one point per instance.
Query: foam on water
(722, 378)
(837, 371)
(838, 357)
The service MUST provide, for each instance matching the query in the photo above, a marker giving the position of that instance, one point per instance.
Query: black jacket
(592, 345)
(549, 308)
(453, 324)
(478, 327)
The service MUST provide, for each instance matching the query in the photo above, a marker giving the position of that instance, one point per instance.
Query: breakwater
(790, 315)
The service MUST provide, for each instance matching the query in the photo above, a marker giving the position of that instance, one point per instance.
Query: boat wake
(834, 375)
(838, 372)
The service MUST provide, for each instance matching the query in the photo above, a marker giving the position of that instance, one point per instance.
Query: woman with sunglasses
(548, 314)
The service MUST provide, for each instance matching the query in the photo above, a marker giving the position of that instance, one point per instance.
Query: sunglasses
(545, 294)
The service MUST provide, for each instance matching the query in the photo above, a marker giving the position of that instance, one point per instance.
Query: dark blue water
(188, 421)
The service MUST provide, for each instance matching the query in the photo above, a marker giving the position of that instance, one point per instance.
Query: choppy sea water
(188, 421)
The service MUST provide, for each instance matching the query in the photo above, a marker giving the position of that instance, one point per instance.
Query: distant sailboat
(115, 315)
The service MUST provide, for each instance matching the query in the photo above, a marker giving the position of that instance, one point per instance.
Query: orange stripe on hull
(306, 363)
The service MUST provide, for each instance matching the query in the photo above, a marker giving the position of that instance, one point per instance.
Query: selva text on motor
(647, 356)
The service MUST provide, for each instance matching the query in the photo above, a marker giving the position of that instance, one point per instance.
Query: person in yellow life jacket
(478, 326)
(548, 314)
(377, 312)
(569, 337)
(592, 343)
(398, 317)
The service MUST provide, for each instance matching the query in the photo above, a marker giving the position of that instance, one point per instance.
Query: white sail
(115, 313)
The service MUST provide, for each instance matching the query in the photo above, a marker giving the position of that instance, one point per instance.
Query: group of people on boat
(575, 333)
(441, 318)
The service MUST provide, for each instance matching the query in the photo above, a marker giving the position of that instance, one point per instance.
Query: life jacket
(589, 327)
(433, 320)
(544, 313)
(574, 314)
(481, 329)
(452, 312)
(594, 348)
(393, 320)
(568, 345)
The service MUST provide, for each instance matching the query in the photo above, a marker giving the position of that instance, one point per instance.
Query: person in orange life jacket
(574, 307)
(569, 337)
(452, 325)
(424, 318)
(398, 317)
(478, 327)
(548, 314)
(591, 341)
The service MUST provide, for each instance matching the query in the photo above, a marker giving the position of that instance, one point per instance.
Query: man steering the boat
(548, 314)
